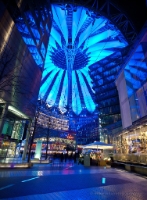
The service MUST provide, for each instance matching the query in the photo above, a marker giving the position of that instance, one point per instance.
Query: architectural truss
(109, 10)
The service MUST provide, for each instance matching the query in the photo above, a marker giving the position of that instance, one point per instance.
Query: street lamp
(39, 104)
(48, 133)
(33, 134)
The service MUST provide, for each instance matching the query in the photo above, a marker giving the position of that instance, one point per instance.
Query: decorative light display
(52, 122)
(78, 39)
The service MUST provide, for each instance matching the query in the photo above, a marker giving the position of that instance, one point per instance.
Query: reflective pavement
(69, 181)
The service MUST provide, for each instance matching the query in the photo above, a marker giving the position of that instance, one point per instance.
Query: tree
(10, 73)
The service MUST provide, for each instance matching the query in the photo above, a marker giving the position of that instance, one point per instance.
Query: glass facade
(104, 74)
(11, 136)
(20, 77)
(132, 82)
(18, 69)
(130, 143)
(135, 75)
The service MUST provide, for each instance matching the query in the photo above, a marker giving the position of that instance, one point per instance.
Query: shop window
(4, 145)
(7, 128)
(18, 130)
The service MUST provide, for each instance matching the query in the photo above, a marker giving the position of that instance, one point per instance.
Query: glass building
(22, 53)
(132, 88)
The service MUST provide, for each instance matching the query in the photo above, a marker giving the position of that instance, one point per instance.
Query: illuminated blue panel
(75, 23)
(87, 97)
(43, 51)
(100, 53)
(78, 19)
(136, 70)
(98, 23)
(85, 35)
(36, 33)
(138, 64)
(52, 42)
(45, 86)
(56, 36)
(48, 70)
(81, 12)
(99, 56)
(86, 73)
(102, 36)
(59, 15)
(63, 98)
(53, 93)
(55, 16)
(76, 102)
(77, 41)
(105, 45)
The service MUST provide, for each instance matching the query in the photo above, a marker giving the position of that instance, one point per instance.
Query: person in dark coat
(75, 157)
(65, 157)
(61, 157)
(21, 152)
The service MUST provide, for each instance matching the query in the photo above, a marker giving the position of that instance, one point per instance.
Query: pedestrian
(21, 152)
(32, 154)
(61, 157)
(65, 156)
(75, 157)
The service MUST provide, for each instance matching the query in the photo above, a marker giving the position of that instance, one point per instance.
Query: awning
(98, 145)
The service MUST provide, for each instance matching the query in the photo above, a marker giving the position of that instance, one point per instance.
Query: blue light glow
(49, 80)
(63, 98)
(77, 41)
(59, 16)
(53, 93)
(103, 180)
(87, 97)
(136, 70)
(76, 101)
(56, 36)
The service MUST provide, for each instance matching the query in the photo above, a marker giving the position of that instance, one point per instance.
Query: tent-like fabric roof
(98, 145)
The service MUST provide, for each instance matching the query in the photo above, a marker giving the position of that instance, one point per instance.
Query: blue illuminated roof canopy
(77, 41)
(136, 69)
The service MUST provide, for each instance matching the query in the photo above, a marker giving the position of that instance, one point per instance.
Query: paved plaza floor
(69, 181)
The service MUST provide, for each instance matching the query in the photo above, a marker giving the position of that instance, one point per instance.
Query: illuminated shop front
(52, 122)
(11, 136)
(132, 141)
(132, 88)
(12, 133)
(56, 144)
